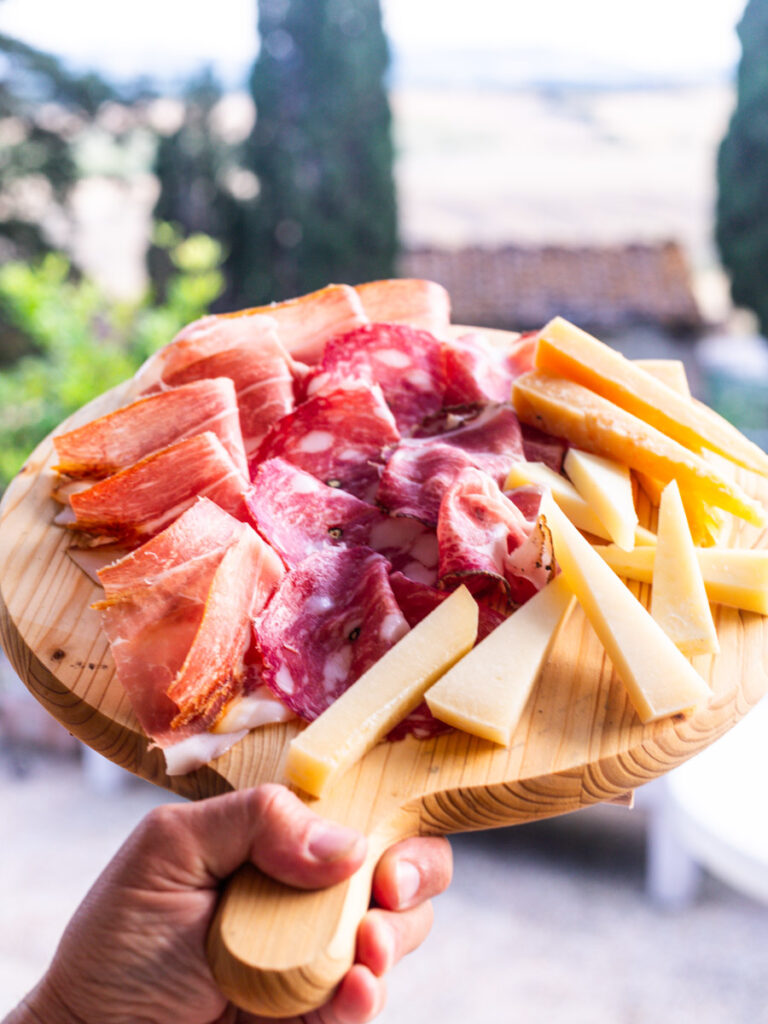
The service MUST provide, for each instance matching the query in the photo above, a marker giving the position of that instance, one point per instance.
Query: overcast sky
(657, 37)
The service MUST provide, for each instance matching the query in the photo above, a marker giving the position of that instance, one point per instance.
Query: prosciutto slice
(541, 447)
(342, 438)
(109, 444)
(299, 515)
(263, 383)
(405, 362)
(410, 301)
(140, 501)
(332, 617)
(487, 543)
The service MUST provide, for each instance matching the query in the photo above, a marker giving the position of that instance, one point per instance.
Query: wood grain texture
(578, 743)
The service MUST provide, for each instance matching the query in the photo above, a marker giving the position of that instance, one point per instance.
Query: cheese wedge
(568, 351)
(607, 487)
(383, 695)
(485, 693)
(737, 577)
(566, 409)
(678, 599)
(568, 498)
(669, 371)
(659, 679)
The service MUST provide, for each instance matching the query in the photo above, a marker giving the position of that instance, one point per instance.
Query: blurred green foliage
(84, 341)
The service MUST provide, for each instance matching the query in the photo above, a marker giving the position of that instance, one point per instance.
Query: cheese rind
(485, 693)
(678, 598)
(568, 498)
(565, 349)
(383, 695)
(659, 679)
(606, 486)
(566, 409)
(737, 577)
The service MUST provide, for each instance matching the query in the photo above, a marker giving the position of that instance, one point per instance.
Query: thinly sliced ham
(306, 323)
(417, 303)
(200, 340)
(299, 515)
(487, 543)
(263, 381)
(541, 447)
(112, 442)
(332, 617)
(143, 499)
(342, 438)
(406, 363)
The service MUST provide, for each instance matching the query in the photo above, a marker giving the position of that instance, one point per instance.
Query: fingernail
(407, 882)
(332, 842)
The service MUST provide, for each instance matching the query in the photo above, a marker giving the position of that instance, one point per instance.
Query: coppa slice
(566, 350)
(143, 499)
(341, 438)
(110, 443)
(386, 693)
(659, 679)
(566, 409)
(486, 691)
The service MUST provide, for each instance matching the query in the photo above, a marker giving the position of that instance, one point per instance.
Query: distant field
(581, 166)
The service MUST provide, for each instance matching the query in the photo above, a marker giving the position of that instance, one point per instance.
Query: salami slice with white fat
(405, 362)
(342, 438)
(332, 617)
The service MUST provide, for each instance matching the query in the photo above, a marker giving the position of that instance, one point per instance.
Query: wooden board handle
(279, 951)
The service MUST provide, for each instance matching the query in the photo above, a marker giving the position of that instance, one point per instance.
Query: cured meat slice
(541, 447)
(203, 530)
(263, 385)
(212, 673)
(140, 501)
(420, 470)
(299, 514)
(186, 631)
(342, 438)
(416, 601)
(405, 362)
(201, 339)
(108, 444)
(423, 304)
(480, 370)
(305, 324)
(332, 617)
(487, 543)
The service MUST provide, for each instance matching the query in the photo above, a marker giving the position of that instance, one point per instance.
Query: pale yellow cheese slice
(606, 486)
(570, 352)
(568, 498)
(679, 601)
(486, 691)
(737, 577)
(669, 371)
(659, 679)
(566, 409)
(383, 695)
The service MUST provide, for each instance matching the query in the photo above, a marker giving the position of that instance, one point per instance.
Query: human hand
(135, 948)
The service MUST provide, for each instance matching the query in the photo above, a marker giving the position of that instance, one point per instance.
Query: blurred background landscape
(158, 161)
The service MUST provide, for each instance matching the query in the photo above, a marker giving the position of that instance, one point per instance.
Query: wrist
(43, 1005)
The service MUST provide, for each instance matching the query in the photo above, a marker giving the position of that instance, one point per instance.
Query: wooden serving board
(579, 743)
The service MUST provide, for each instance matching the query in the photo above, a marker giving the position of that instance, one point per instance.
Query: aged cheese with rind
(737, 577)
(566, 409)
(565, 349)
(568, 498)
(485, 693)
(606, 486)
(659, 679)
(679, 600)
(383, 695)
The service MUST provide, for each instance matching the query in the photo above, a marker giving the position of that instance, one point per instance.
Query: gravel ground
(547, 922)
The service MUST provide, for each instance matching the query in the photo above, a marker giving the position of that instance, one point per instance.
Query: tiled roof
(521, 287)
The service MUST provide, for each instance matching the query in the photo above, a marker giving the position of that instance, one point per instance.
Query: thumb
(199, 844)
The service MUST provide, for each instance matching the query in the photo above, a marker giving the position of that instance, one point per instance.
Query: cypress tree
(321, 149)
(742, 172)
